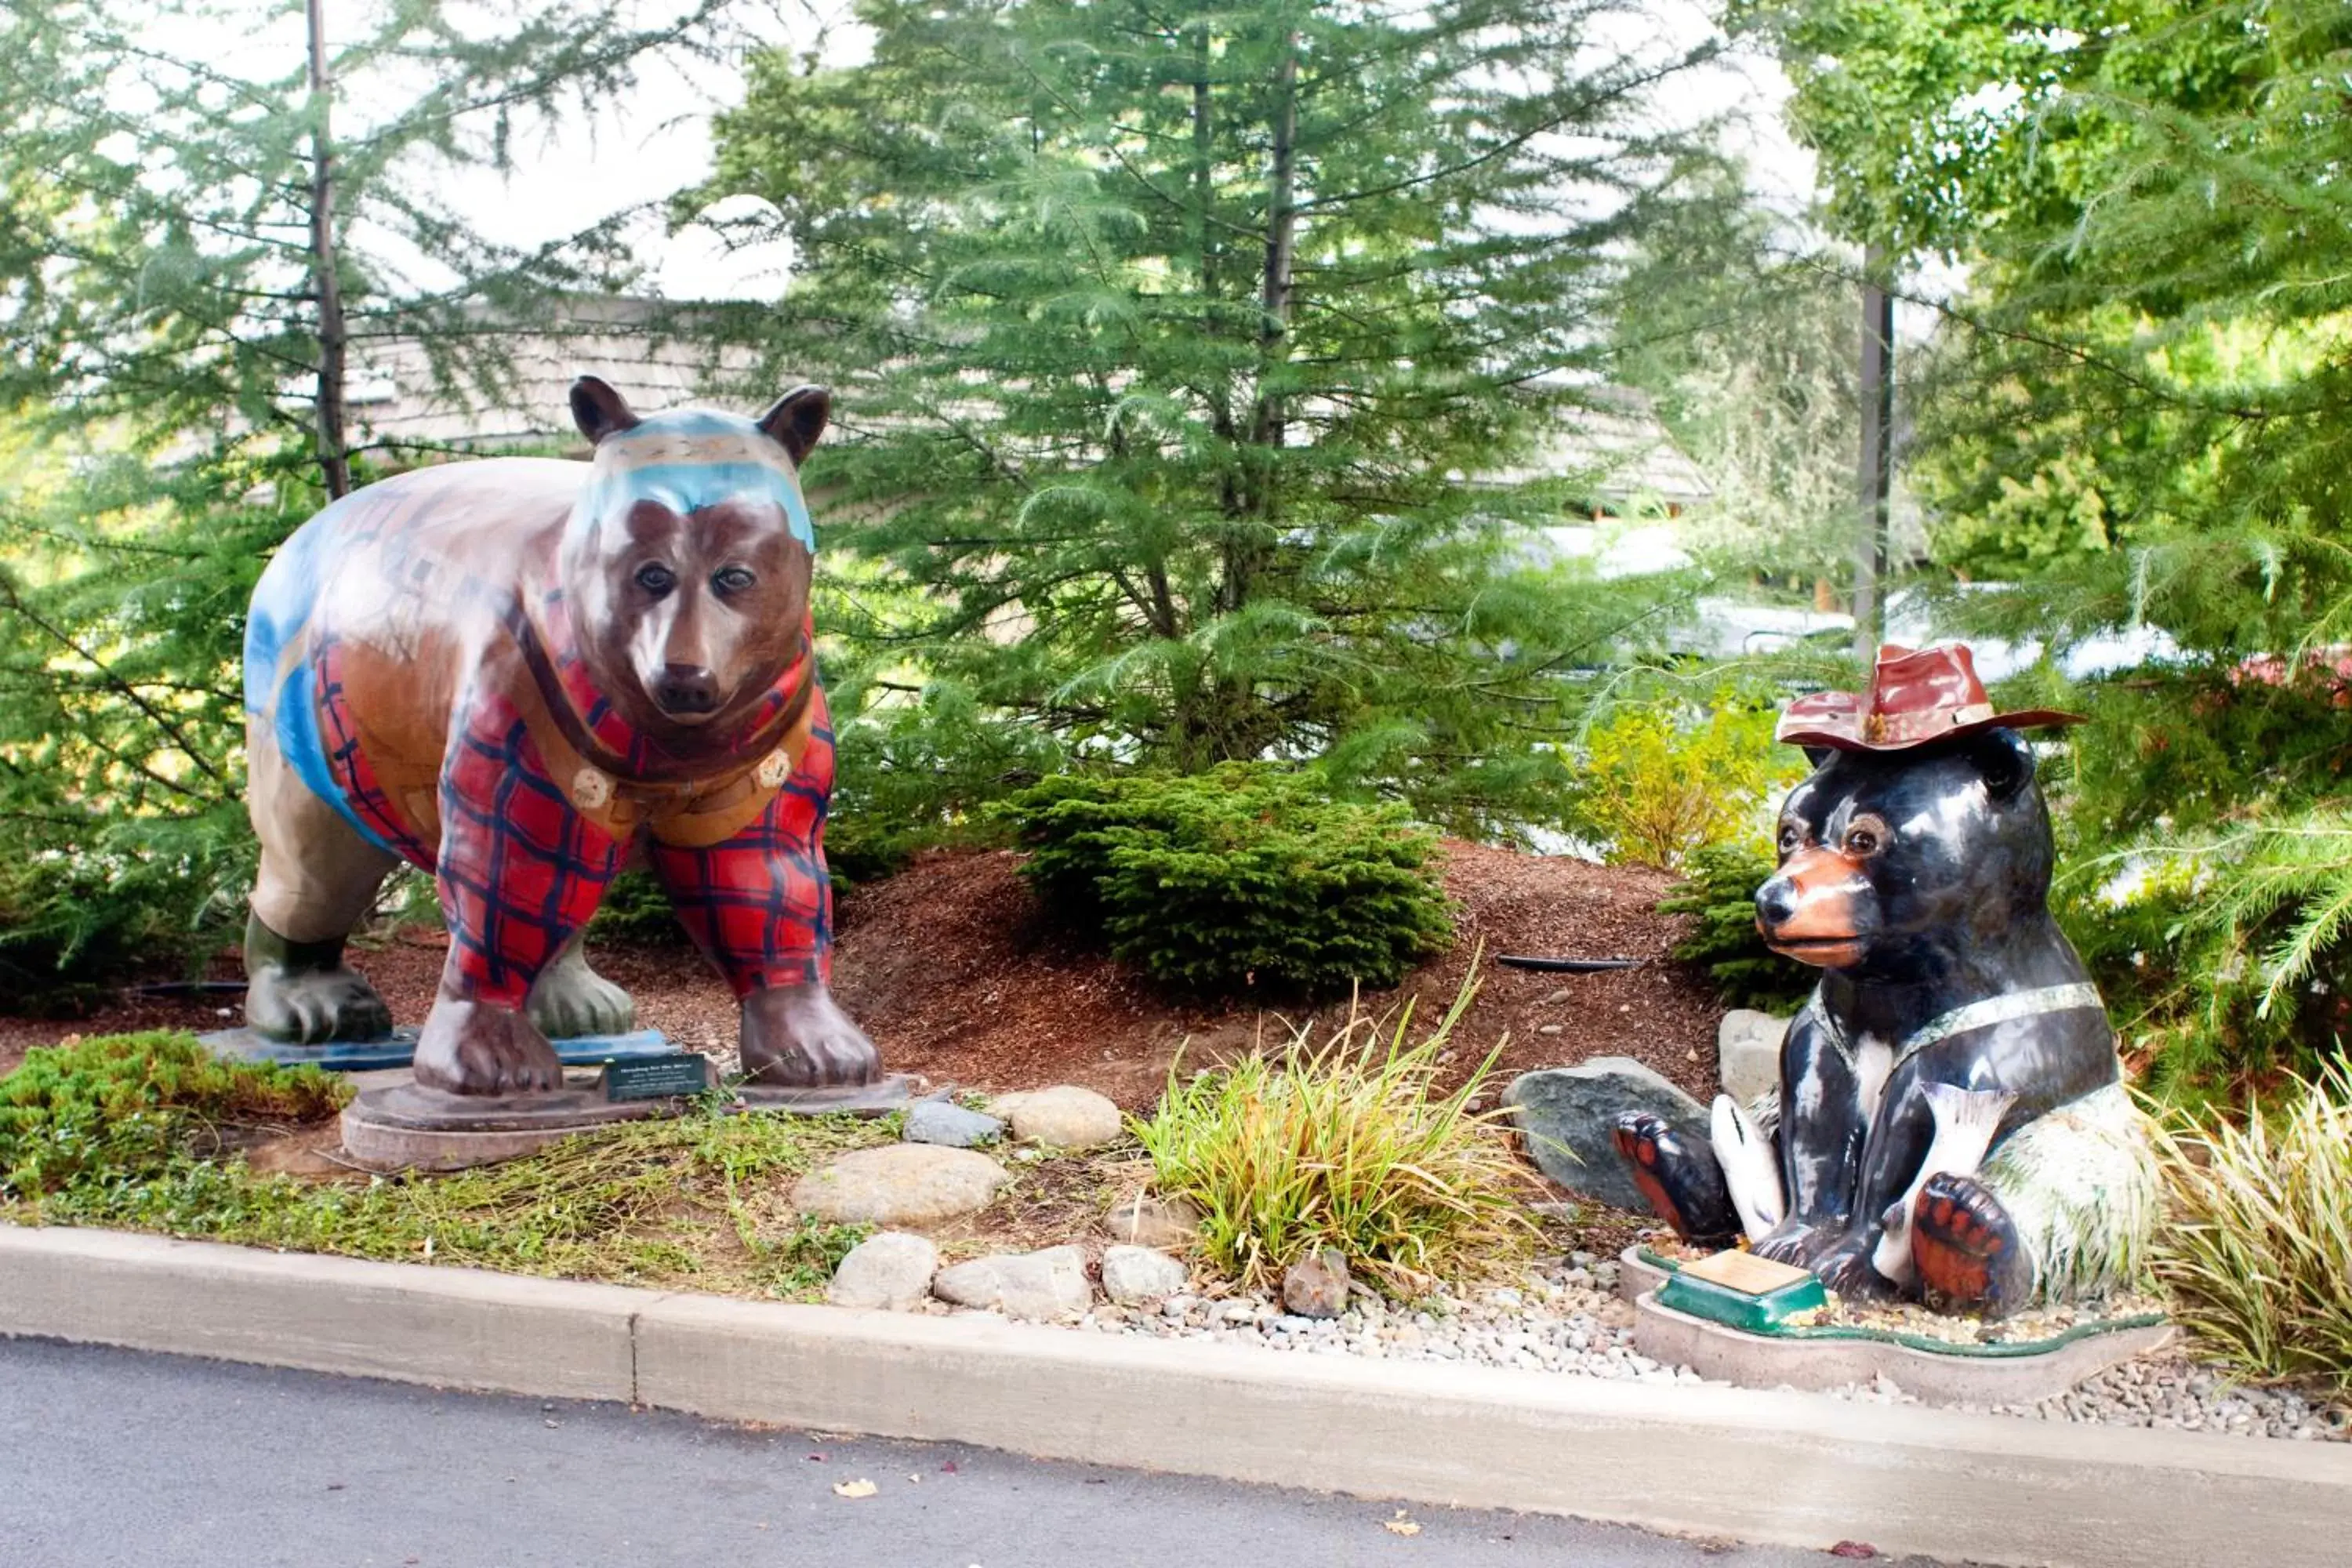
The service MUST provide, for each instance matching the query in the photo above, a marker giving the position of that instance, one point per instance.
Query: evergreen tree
(1195, 360)
(191, 245)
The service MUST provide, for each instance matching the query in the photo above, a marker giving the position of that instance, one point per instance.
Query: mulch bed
(961, 976)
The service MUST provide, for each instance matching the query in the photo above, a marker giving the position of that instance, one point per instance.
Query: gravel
(1566, 1317)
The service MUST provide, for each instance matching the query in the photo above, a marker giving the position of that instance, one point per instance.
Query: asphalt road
(114, 1458)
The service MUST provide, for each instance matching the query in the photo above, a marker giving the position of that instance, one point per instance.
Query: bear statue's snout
(686, 688)
(1776, 903)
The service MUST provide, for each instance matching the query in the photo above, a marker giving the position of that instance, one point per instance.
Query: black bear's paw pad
(1684, 1185)
(1965, 1248)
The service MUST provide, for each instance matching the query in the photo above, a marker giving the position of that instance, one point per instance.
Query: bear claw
(1965, 1248)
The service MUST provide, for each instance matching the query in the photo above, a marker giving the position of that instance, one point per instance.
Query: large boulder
(1748, 1053)
(1046, 1284)
(899, 1184)
(892, 1271)
(1568, 1116)
(1065, 1117)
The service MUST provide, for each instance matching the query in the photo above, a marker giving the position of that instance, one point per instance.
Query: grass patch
(698, 1201)
(1349, 1144)
(2257, 1246)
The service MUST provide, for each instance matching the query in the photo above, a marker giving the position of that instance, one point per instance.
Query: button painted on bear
(591, 790)
(773, 770)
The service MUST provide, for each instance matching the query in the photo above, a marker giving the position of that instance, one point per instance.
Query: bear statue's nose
(686, 688)
(1776, 902)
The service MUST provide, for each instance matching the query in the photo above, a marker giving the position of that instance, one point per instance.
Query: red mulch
(958, 977)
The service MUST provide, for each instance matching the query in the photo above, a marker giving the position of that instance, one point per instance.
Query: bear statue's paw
(1967, 1248)
(571, 1000)
(479, 1047)
(1799, 1241)
(797, 1037)
(1848, 1270)
(1682, 1179)
(313, 1006)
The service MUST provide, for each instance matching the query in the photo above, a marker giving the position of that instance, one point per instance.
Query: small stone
(1317, 1286)
(1044, 1284)
(1178, 1306)
(899, 1184)
(1066, 1117)
(1145, 1220)
(892, 1271)
(950, 1125)
(1138, 1276)
(1748, 1053)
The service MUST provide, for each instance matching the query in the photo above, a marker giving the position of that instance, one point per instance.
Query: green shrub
(1242, 877)
(636, 909)
(920, 774)
(1658, 785)
(121, 1106)
(1719, 887)
(1349, 1145)
(2256, 1249)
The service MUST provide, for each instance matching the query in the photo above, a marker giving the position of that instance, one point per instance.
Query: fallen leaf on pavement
(1401, 1525)
(1854, 1549)
(859, 1488)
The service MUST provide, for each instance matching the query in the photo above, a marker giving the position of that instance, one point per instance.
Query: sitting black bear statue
(1951, 1118)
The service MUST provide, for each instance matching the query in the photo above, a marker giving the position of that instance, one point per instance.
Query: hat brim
(1847, 736)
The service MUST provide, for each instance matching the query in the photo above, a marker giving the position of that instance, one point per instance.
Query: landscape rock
(1138, 1277)
(1748, 1053)
(1568, 1116)
(899, 1184)
(1147, 1221)
(950, 1125)
(1037, 1285)
(1066, 1117)
(892, 1271)
(1316, 1285)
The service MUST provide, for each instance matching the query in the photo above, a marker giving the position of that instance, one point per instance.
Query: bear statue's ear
(797, 418)
(2005, 760)
(598, 410)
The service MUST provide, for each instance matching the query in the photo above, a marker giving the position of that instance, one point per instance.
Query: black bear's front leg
(1683, 1180)
(1821, 1143)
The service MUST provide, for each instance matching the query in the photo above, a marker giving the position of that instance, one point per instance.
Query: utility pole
(334, 462)
(1877, 450)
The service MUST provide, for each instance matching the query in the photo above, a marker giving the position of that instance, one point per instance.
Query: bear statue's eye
(655, 578)
(1866, 837)
(1791, 836)
(731, 579)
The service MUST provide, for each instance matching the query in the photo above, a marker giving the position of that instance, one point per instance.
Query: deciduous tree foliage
(1193, 359)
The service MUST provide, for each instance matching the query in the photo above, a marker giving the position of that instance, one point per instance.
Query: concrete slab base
(405, 1127)
(1949, 1377)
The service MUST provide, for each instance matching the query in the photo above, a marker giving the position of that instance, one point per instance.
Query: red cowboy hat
(1913, 698)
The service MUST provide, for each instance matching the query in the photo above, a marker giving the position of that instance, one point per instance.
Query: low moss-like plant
(122, 1105)
(112, 1132)
(1350, 1144)
(1243, 878)
(2256, 1249)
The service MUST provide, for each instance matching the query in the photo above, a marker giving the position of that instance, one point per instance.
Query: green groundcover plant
(1350, 1144)
(1246, 876)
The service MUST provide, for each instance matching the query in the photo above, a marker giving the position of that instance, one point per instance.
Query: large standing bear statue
(516, 673)
(1951, 1118)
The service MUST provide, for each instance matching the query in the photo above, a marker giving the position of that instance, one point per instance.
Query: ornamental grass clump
(2257, 1248)
(1349, 1144)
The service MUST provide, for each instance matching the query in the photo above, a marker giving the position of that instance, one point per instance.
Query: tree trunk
(1877, 451)
(334, 460)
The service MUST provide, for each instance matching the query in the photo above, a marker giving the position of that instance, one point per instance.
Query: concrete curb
(1780, 1468)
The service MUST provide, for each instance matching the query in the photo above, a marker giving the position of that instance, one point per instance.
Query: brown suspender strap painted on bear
(1983, 1014)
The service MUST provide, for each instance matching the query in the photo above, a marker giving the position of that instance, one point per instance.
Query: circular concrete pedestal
(404, 1127)
(876, 1098)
